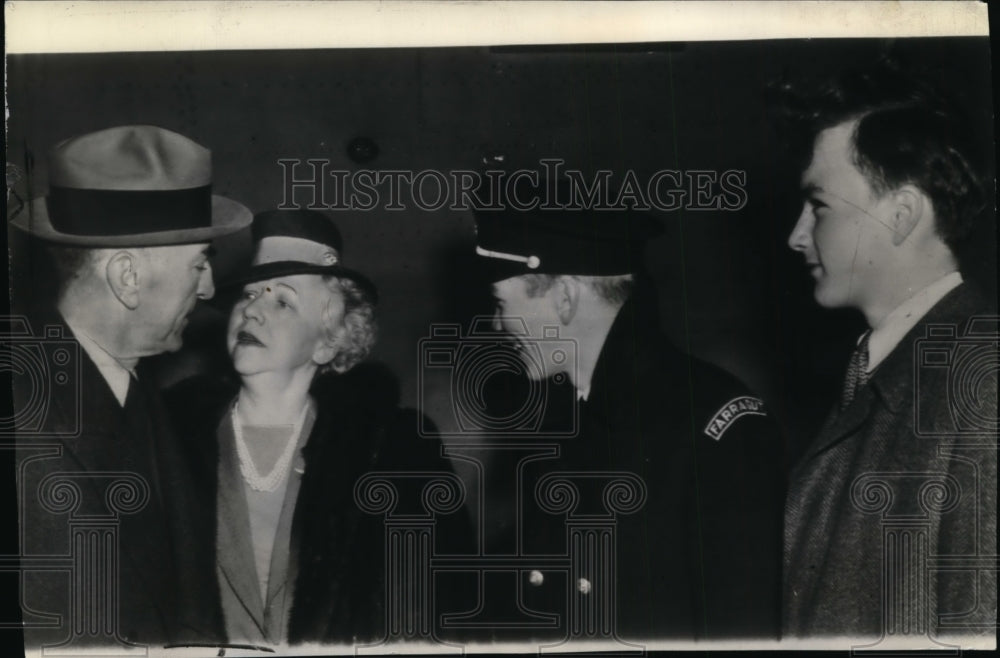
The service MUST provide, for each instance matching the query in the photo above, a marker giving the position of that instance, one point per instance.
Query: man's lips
(247, 338)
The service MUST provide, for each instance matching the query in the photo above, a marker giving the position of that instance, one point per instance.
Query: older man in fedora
(103, 489)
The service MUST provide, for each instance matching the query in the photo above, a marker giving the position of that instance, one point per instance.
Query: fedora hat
(289, 242)
(131, 186)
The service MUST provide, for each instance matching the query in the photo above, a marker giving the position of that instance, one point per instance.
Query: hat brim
(228, 216)
(277, 269)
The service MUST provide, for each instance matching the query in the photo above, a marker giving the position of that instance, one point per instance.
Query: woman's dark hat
(289, 242)
(130, 186)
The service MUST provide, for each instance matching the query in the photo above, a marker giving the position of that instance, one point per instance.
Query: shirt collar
(115, 374)
(895, 326)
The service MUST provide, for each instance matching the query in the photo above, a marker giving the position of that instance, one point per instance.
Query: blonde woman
(279, 451)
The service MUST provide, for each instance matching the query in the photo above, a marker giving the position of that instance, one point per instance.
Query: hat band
(125, 212)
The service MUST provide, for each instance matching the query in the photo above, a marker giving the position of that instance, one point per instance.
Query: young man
(890, 193)
(128, 221)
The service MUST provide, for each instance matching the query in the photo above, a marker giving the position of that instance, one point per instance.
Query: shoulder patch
(745, 405)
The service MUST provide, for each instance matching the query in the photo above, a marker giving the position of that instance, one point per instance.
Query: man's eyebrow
(285, 285)
(203, 256)
(207, 252)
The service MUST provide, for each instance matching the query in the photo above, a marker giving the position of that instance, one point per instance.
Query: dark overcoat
(91, 466)
(907, 474)
(701, 557)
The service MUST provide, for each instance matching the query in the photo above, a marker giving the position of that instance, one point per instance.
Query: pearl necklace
(277, 475)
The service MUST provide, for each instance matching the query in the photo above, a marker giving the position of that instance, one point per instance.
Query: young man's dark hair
(907, 132)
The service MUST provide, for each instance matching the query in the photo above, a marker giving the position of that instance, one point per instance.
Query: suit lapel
(235, 552)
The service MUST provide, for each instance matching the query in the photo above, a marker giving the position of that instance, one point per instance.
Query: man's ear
(909, 208)
(122, 274)
(565, 298)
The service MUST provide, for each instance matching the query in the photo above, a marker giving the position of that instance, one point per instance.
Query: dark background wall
(730, 289)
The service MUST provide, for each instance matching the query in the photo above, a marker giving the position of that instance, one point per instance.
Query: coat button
(583, 586)
(536, 577)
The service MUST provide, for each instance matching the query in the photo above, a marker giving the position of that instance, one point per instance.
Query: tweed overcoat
(899, 491)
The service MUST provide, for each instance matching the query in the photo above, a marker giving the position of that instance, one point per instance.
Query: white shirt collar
(891, 330)
(115, 374)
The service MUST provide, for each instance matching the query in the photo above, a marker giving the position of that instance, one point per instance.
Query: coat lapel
(101, 419)
(892, 383)
(105, 437)
(234, 550)
(284, 556)
(841, 424)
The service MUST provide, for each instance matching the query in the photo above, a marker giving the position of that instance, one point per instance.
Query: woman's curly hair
(356, 331)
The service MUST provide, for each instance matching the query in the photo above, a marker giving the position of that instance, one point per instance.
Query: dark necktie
(857, 372)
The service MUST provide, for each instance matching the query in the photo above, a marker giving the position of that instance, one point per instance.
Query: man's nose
(206, 287)
(497, 324)
(801, 235)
